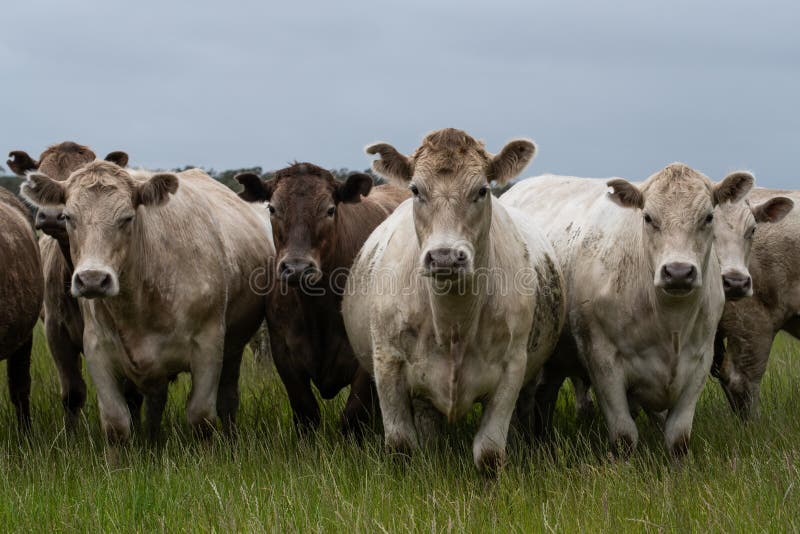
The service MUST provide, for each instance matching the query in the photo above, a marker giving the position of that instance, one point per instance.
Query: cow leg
(115, 417)
(428, 421)
(400, 434)
(156, 401)
(360, 404)
(134, 399)
(305, 410)
(744, 364)
(678, 423)
(67, 358)
(228, 394)
(608, 381)
(583, 399)
(489, 445)
(19, 382)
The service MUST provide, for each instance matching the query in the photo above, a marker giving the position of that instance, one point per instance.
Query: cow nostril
(105, 282)
(461, 256)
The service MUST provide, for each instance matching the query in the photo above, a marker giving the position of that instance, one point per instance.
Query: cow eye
(271, 209)
(750, 233)
(125, 221)
(709, 218)
(648, 219)
(331, 211)
(414, 190)
(482, 192)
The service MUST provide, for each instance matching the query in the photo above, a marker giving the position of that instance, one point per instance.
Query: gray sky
(604, 90)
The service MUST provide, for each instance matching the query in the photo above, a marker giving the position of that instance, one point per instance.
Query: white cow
(644, 290)
(454, 299)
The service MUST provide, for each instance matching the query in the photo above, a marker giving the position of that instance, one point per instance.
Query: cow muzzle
(447, 262)
(299, 271)
(94, 283)
(737, 285)
(51, 223)
(678, 278)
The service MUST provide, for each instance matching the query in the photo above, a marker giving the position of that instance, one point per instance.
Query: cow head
(734, 229)
(100, 204)
(449, 176)
(677, 206)
(303, 202)
(57, 162)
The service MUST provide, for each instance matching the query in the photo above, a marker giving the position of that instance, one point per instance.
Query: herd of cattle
(425, 296)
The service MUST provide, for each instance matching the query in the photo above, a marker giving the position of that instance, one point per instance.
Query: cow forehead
(450, 153)
(98, 184)
(677, 189)
(735, 214)
(59, 161)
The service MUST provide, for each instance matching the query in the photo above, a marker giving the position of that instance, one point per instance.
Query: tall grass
(738, 477)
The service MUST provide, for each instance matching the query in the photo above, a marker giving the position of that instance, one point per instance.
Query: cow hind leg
(228, 393)
(67, 358)
(155, 402)
(361, 405)
(134, 399)
(19, 382)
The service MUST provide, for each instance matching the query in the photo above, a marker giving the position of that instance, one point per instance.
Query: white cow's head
(100, 203)
(677, 206)
(449, 176)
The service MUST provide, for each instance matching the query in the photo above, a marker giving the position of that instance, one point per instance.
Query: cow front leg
(206, 369)
(489, 445)
(67, 357)
(678, 422)
(19, 382)
(361, 404)
(115, 417)
(155, 402)
(400, 435)
(228, 394)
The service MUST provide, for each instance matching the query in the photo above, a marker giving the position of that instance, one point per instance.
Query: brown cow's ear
(511, 161)
(156, 190)
(733, 187)
(255, 189)
(773, 210)
(625, 194)
(392, 165)
(357, 185)
(20, 162)
(118, 157)
(41, 190)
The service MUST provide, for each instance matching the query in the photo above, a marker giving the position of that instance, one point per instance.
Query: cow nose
(93, 283)
(294, 270)
(736, 285)
(679, 275)
(446, 260)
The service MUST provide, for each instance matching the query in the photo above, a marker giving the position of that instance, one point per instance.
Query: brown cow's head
(734, 229)
(57, 162)
(449, 176)
(303, 201)
(100, 203)
(677, 205)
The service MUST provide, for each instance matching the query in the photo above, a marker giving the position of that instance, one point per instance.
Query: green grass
(737, 478)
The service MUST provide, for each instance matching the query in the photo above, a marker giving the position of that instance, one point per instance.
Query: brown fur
(309, 343)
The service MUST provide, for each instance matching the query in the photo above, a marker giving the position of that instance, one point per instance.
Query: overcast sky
(620, 90)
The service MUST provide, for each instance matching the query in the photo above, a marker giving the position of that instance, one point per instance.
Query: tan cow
(62, 319)
(644, 291)
(769, 270)
(163, 267)
(454, 299)
(21, 289)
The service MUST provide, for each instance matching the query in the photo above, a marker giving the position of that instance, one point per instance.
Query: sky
(604, 88)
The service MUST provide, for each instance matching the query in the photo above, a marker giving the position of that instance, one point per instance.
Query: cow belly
(453, 390)
(154, 358)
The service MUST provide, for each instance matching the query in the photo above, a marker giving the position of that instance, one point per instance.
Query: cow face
(677, 208)
(100, 203)
(734, 229)
(303, 202)
(449, 176)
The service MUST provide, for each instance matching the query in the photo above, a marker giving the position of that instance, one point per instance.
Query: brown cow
(318, 225)
(21, 288)
(62, 317)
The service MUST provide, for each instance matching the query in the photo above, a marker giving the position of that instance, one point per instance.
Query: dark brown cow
(318, 225)
(62, 316)
(21, 289)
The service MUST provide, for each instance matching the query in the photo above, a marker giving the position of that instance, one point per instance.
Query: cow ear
(118, 157)
(733, 187)
(773, 210)
(20, 162)
(357, 185)
(392, 165)
(156, 190)
(41, 190)
(625, 194)
(511, 161)
(255, 189)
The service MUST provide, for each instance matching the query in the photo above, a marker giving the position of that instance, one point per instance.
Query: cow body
(21, 289)
(166, 289)
(644, 292)
(436, 308)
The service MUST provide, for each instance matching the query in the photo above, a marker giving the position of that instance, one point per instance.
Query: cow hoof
(679, 449)
(399, 446)
(623, 447)
(490, 462)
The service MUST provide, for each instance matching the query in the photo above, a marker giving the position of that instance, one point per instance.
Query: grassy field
(737, 478)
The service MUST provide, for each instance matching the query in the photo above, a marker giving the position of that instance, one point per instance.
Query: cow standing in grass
(645, 291)
(762, 283)
(454, 299)
(163, 269)
(21, 290)
(318, 225)
(63, 323)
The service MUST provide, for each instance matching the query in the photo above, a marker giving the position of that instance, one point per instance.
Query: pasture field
(738, 478)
